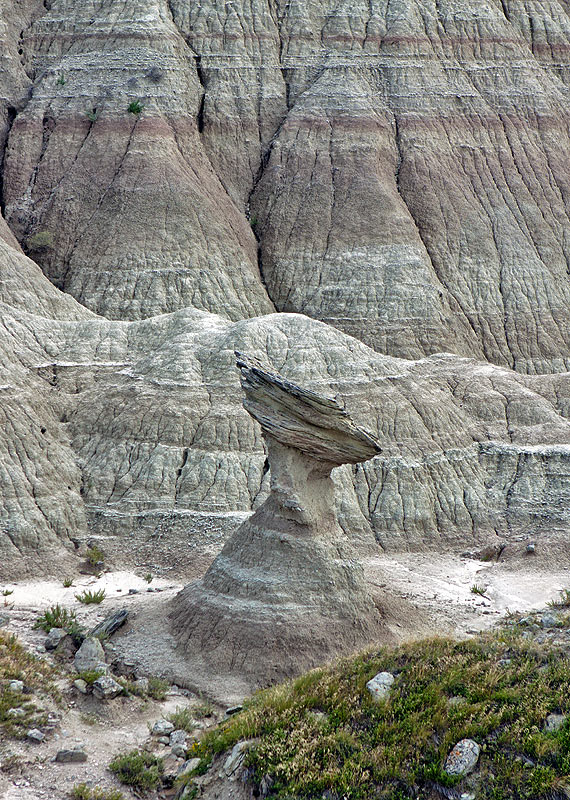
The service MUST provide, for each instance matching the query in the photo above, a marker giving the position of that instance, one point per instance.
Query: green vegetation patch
(88, 597)
(323, 734)
(138, 769)
(81, 791)
(17, 711)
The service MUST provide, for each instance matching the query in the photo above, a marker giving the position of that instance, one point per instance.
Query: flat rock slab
(380, 685)
(54, 637)
(110, 624)
(35, 735)
(162, 727)
(71, 756)
(463, 758)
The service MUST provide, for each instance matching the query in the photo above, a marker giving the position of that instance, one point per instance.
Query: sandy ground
(437, 585)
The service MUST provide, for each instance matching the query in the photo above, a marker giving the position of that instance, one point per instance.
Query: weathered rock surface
(404, 167)
(286, 592)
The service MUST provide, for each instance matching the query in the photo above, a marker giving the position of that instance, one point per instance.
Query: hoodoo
(286, 592)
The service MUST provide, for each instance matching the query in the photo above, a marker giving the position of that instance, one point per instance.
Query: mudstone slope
(370, 197)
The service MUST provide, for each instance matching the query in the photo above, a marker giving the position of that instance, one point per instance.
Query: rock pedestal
(286, 592)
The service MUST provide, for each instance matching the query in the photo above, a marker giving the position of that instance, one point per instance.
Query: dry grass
(356, 748)
(37, 675)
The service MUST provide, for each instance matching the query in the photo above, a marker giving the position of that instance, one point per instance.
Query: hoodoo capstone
(287, 591)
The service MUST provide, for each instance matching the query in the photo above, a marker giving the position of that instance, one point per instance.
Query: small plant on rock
(7, 592)
(58, 617)
(81, 791)
(88, 597)
(157, 688)
(91, 675)
(135, 107)
(60, 79)
(95, 555)
(67, 582)
(148, 577)
(563, 600)
(138, 769)
(480, 590)
(92, 115)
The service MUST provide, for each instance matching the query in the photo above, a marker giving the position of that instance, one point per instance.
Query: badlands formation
(370, 198)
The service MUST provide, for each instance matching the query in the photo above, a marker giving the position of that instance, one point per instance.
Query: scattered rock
(265, 786)
(133, 591)
(163, 740)
(236, 757)
(105, 688)
(125, 667)
(54, 637)
(549, 621)
(170, 765)
(162, 727)
(178, 750)
(17, 687)
(554, 722)
(233, 710)
(504, 662)
(90, 656)
(379, 686)
(74, 756)
(178, 737)
(142, 684)
(110, 624)
(35, 735)
(4, 620)
(456, 700)
(531, 548)
(463, 758)
(189, 766)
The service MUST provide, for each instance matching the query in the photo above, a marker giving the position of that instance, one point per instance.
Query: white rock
(162, 727)
(236, 757)
(379, 686)
(463, 758)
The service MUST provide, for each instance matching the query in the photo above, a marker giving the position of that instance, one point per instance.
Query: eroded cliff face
(395, 171)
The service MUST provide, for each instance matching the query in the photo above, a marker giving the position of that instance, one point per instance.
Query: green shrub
(58, 617)
(157, 688)
(135, 107)
(480, 590)
(95, 555)
(89, 597)
(81, 791)
(138, 769)
(67, 582)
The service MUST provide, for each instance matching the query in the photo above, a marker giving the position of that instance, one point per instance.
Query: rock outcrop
(397, 170)
(286, 592)
(162, 155)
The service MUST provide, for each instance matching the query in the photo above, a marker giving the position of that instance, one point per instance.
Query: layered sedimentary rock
(422, 146)
(286, 592)
(398, 170)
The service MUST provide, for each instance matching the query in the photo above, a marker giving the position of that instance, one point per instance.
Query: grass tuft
(138, 769)
(361, 749)
(89, 597)
(563, 600)
(81, 791)
(58, 617)
(477, 589)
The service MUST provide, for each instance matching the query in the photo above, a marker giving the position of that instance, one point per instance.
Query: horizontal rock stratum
(372, 198)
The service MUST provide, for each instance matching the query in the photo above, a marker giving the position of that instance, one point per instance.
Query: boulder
(106, 688)
(90, 656)
(463, 758)
(380, 685)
